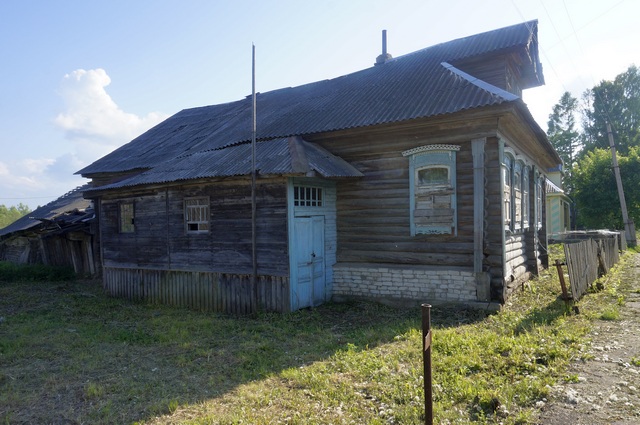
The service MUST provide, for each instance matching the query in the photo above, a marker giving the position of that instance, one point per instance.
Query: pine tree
(564, 136)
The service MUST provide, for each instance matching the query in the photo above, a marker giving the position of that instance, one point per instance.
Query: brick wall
(419, 283)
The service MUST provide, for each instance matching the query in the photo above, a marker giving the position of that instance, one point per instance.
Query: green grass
(10, 272)
(68, 353)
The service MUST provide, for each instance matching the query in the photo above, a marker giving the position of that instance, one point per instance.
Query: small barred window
(196, 215)
(304, 196)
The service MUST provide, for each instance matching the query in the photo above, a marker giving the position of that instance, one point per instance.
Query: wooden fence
(207, 291)
(589, 259)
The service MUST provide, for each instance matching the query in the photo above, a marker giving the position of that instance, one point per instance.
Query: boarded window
(126, 218)
(306, 196)
(433, 189)
(196, 215)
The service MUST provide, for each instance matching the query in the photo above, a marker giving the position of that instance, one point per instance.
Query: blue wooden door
(308, 289)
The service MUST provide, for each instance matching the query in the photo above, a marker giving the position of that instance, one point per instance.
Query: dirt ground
(607, 390)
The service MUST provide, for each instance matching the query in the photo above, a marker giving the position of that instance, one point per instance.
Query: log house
(419, 179)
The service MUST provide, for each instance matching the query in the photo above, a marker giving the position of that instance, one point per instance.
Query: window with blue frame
(432, 180)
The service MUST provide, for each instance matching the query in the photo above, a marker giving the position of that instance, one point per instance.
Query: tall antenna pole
(629, 227)
(254, 257)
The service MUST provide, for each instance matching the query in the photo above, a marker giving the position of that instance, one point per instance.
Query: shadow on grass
(69, 354)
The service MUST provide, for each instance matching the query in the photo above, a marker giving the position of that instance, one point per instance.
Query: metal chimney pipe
(384, 56)
(384, 43)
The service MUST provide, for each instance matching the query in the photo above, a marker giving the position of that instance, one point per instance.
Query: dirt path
(608, 387)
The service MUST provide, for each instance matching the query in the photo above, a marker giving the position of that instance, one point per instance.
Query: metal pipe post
(426, 356)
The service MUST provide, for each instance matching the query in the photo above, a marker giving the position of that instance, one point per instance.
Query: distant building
(57, 234)
(558, 204)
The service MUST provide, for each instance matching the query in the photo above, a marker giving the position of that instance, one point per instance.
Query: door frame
(328, 211)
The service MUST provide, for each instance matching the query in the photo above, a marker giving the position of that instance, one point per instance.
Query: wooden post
(426, 359)
(563, 285)
(483, 282)
(629, 227)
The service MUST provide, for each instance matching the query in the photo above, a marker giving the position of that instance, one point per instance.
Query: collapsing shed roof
(70, 208)
(417, 85)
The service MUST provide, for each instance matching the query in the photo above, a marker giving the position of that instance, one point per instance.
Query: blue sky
(81, 78)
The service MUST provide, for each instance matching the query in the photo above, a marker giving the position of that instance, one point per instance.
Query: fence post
(426, 358)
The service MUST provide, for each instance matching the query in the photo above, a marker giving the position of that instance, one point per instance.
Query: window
(539, 194)
(432, 182)
(526, 175)
(126, 218)
(517, 195)
(196, 215)
(304, 196)
(506, 196)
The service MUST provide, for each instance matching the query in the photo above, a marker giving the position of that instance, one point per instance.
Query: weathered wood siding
(373, 211)
(207, 291)
(160, 243)
(494, 220)
(71, 249)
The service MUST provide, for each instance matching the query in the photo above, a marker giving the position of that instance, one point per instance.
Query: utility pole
(254, 249)
(629, 227)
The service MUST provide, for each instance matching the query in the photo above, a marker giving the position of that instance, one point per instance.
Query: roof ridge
(481, 84)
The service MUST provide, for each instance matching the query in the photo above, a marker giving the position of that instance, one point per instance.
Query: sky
(79, 78)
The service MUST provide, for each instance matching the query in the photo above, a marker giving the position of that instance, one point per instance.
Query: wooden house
(418, 179)
(58, 234)
(558, 205)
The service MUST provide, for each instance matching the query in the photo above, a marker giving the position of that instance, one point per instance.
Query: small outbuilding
(57, 234)
(420, 178)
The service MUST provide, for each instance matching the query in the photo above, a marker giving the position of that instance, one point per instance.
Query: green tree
(596, 193)
(11, 214)
(564, 136)
(616, 102)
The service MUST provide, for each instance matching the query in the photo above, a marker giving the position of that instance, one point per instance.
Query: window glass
(436, 175)
(306, 196)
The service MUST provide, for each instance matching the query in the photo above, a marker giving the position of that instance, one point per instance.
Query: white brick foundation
(390, 282)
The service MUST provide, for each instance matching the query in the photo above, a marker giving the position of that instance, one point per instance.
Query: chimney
(384, 56)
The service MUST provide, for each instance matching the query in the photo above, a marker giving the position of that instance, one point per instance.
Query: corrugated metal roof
(284, 156)
(416, 85)
(69, 208)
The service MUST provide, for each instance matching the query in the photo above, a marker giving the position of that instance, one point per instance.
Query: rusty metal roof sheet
(417, 85)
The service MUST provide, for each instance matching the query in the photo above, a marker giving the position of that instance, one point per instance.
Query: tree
(9, 215)
(596, 193)
(564, 136)
(616, 102)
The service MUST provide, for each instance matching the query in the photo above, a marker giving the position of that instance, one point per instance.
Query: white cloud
(93, 123)
(92, 120)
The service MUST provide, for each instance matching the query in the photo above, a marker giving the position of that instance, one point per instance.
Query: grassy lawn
(69, 354)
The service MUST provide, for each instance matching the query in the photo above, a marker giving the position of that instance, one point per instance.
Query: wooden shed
(418, 179)
(57, 234)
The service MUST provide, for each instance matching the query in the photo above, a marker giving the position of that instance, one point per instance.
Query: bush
(10, 272)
